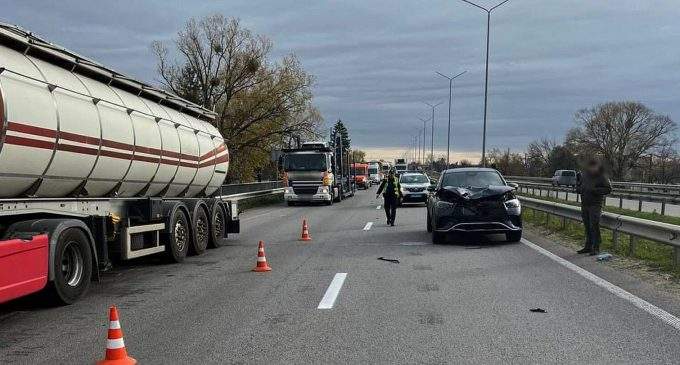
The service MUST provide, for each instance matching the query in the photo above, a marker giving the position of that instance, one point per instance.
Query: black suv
(473, 199)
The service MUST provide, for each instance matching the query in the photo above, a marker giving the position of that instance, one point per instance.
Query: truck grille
(415, 190)
(305, 190)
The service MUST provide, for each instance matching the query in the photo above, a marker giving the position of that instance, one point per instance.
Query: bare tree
(224, 67)
(538, 156)
(621, 132)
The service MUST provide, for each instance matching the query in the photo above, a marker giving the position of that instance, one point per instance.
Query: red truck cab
(360, 172)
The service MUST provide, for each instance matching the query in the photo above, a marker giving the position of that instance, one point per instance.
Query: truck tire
(177, 237)
(72, 267)
(200, 229)
(218, 225)
(429, 221)
(438, 237)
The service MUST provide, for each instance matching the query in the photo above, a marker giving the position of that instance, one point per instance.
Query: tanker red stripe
(77, 149)
(35, 143)
(191, 161)
(30, 129)
(79, 138)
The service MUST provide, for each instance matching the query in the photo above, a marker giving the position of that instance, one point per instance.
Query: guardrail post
(547, 219)
(564, 223)
(620, 202)
(676, 257)
(578, 197)
(615, 239)
(640, 205)
(663, 208)
(566, 195)
(631, 245)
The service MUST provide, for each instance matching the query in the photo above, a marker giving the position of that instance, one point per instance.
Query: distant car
(564, 177)
(473, 199)
(414, 187)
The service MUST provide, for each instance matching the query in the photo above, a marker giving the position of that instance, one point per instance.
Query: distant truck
(400, 165)
(360, 173)
(317, 172)
(375, 173)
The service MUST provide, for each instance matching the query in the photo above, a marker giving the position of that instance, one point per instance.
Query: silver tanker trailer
(95, 165)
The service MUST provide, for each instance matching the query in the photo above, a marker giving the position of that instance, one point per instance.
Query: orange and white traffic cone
(262, 265)
(305, 232)
(115, 346)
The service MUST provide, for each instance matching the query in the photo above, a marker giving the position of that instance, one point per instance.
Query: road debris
(605, 256)
(537, 310)
(396, 261)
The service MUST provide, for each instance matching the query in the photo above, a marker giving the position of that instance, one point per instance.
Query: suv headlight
(288, 190)
(322, 190)
(513, 206)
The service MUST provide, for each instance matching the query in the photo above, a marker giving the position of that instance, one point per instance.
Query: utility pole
(486, 78)
(448, 135)
(432, 139)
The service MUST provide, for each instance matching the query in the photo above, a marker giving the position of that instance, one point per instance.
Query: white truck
(96, 166)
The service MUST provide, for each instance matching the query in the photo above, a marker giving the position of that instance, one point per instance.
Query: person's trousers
(591, 224)
(390, 205)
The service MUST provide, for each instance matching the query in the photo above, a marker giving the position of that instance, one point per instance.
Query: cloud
(375, 61)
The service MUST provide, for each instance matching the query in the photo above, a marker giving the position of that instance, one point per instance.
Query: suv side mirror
(513, 185)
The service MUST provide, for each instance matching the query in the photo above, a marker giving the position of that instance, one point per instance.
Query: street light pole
(432, 139)
(422, 158)
(486, 78)
(448, 135)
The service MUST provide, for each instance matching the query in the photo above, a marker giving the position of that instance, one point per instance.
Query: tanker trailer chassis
(62, 244)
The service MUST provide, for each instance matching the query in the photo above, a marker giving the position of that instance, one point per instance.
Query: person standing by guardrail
(593, 185)
(391, 191)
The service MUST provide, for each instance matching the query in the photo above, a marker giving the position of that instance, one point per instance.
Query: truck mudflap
(23, 266)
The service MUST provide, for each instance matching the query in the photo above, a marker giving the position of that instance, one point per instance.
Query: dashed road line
(332, 292)
(646, 306)
(368, 226)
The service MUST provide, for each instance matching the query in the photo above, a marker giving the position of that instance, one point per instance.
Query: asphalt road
(462, 302)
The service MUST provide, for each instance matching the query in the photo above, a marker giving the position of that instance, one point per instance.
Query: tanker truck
(96, 167)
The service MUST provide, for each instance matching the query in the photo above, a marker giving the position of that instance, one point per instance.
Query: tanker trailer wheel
(201, 231)
(72, 267)
(218, 225)
(177, 237)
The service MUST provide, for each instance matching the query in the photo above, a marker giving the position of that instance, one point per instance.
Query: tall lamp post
(424, 120)
(486, 78)
(432, 139)
(448, 135)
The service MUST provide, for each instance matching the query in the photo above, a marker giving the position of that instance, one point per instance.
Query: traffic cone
(305, 232)
(115, 346)
(262, 265)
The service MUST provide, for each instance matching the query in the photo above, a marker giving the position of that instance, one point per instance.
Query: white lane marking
(368, 226)
(332, 292)
(646, 306)
(378, 207)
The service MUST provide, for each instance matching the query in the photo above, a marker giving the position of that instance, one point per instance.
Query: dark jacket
(390, 188)
(593, 188)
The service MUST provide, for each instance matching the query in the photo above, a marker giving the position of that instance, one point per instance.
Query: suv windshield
(372, 170)
(359, 170)
(568, 173)
(414, 179)
(305, 162)
(472, 179)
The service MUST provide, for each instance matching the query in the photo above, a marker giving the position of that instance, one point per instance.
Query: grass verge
(655, 256)
(244, 205)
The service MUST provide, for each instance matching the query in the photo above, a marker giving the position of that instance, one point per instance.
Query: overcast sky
(375, 61)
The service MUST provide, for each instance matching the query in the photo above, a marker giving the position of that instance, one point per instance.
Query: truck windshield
(472, 179)
(372, 170)
(414, 179)
(359, 170)
(305, 162)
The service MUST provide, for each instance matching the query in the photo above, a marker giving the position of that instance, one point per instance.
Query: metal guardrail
(660, 198)
(235, 192)
(665, 233)
(669, 189)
